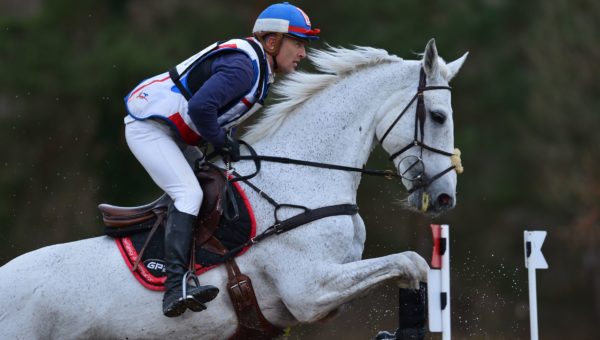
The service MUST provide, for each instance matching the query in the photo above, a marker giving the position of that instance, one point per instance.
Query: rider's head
(284, 29)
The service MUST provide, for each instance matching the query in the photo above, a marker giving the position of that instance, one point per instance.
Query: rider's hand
(230, 151)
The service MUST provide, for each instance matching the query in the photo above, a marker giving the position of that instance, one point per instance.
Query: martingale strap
(310, 215)
(306, 217)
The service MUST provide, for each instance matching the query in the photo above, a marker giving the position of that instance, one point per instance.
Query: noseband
(419, 135)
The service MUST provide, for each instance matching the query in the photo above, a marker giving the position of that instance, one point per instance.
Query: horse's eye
(438, 117)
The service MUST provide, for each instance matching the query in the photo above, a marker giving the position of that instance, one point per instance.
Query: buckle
(238, 284)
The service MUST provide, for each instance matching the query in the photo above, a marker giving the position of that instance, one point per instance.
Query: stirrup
(191, 303)
(186, 277)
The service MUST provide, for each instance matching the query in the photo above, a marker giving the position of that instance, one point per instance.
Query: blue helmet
(288, 19)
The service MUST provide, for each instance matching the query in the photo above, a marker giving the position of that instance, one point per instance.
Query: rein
(420, 117)
(389, 174)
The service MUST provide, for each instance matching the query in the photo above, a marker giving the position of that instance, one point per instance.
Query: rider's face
(290, 53)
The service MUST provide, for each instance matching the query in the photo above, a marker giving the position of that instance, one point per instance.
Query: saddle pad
(151, 269)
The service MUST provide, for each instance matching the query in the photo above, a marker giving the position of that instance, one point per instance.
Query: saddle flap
(212, 182)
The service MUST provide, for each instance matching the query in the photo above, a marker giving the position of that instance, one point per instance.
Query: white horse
(83, 289)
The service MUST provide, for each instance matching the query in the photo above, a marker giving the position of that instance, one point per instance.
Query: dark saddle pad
(132, 228)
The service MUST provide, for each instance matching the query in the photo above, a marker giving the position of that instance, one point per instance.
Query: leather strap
(305, 218)
(175, 78)
(159, 219)
(252, 324)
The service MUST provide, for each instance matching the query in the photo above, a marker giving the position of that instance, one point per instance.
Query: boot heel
(194, 305)
(202, 294)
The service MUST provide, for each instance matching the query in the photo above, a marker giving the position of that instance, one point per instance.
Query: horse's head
(418, 132)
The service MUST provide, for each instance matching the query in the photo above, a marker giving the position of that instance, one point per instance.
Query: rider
(200, 100)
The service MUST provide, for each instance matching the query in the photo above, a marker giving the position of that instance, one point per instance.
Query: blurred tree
(560, 136)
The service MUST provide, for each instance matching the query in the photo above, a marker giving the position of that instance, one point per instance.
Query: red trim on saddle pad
(147, 279)
(141, 274)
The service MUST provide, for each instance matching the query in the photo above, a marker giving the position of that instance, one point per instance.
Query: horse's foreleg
(330, 286)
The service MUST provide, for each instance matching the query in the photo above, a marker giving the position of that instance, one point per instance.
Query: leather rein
(418, 141)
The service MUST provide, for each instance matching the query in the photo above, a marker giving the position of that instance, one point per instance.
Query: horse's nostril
(444, 200)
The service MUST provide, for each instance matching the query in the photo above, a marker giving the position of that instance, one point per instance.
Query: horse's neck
(336, 126)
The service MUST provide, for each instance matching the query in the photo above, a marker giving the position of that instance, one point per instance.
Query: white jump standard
(534, 259)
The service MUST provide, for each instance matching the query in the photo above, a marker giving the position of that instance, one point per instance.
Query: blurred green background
(526, 114)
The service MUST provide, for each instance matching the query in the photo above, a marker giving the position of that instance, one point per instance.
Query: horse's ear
(430, 59)
(455, 66)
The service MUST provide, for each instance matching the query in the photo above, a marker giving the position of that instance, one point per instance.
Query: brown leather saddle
(251, 322)
(212, 182)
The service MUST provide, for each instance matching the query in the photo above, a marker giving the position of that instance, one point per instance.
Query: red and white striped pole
(438, 282)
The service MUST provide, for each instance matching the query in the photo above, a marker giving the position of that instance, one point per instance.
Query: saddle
(121, 221)
(126, 222)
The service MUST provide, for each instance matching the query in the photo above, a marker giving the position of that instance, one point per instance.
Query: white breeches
(165, 158)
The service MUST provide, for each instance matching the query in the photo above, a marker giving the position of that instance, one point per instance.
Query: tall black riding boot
(178, 240)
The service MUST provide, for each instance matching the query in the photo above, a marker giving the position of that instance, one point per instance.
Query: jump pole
(438, 282)
(534, 259)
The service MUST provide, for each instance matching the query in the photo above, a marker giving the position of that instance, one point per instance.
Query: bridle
(419, 180)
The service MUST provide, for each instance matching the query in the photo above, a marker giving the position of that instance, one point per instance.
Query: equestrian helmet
(287, 19)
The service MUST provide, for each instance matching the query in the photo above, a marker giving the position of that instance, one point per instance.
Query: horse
(361, 96)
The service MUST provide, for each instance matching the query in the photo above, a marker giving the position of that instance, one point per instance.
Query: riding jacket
(208, 93)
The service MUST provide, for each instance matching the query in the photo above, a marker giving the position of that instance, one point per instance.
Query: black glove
(230, 151)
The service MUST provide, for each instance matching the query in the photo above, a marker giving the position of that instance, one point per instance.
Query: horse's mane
(295, 89)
